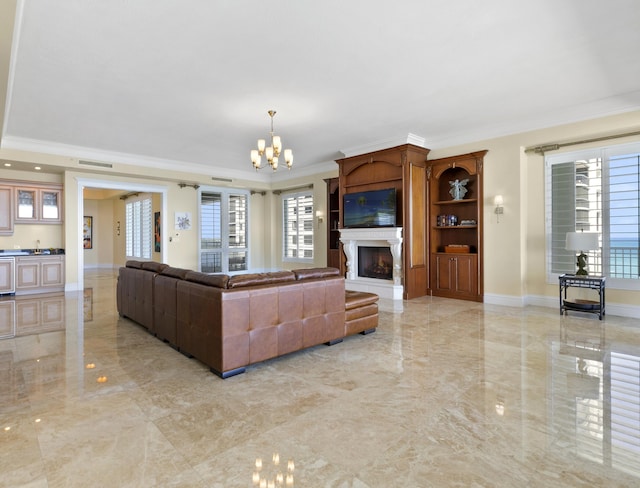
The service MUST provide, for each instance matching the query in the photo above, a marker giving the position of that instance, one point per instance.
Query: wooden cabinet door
(50, 209)
(27, 273)
(6, 210)
(26, 205)
(445, 273)
(466, 275)
(456, 275)
(52, 272)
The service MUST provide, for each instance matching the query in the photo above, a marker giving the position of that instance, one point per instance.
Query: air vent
(221, 179)
(93, 163)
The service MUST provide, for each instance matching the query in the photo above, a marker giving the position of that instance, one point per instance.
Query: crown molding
(383, 144)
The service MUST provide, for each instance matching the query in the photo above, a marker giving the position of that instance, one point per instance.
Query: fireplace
(374, 260)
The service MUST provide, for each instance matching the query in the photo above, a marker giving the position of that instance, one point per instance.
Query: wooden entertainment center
(440, 257)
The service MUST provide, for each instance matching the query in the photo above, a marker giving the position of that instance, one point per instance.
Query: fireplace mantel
(381, 237)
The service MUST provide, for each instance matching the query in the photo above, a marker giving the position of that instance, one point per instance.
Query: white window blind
(138, 228)
(598, 191)
(298, 226)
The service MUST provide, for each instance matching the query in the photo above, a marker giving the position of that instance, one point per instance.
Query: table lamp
(581, 242)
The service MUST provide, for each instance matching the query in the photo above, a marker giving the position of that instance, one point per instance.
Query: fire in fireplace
(375, 262)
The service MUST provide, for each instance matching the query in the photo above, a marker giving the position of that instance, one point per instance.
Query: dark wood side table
(575, 281)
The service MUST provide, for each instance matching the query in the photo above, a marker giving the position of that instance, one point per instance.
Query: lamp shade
(581, 241)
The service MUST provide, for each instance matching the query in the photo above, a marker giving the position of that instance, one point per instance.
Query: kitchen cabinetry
(455, 226)
(6, 210)
(39, 274)
(38, 204)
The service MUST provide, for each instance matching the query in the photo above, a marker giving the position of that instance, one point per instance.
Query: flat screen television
(375, 208)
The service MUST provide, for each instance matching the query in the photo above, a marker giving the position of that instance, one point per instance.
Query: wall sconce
(499, 203)
(320, 217)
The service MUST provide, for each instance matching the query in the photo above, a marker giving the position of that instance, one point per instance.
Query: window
(298, 226)
(597, 191)
(223, 231)
(138, 231)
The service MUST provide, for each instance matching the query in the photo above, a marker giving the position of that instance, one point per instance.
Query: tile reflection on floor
(445, 393)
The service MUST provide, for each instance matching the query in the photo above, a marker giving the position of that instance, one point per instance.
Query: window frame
(604, 154)
(286, 224)
(225, 250)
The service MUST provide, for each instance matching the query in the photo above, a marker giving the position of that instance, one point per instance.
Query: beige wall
(514, 248)
(101, 255)
(319, 231)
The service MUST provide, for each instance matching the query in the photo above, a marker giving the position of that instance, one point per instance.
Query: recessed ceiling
(30, 166)
(190, 82)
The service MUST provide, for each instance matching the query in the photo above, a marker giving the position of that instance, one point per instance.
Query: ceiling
(188, 83)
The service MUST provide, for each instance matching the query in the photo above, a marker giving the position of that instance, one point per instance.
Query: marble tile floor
(445, 393)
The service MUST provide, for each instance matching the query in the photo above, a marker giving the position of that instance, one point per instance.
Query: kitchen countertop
(30, 252)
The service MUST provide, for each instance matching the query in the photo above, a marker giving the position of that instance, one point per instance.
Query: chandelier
(272, 152)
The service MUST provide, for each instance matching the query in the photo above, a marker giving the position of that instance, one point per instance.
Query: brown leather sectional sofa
(230, 322)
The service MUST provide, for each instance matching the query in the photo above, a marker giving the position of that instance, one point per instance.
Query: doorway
(74, 232)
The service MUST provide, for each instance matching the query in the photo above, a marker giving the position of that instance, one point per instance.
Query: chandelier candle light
(272, 152)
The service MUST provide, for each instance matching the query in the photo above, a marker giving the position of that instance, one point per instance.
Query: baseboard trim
(504, 300)
(101, 266)
(619, 309)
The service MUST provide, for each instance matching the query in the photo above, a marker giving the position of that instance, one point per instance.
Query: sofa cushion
(253, 279)
(172, 272)
(215, 280)
(132, 263)
(314, 273)
(356, 299)
(153, 266)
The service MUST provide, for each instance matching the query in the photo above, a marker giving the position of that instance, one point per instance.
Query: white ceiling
(189, 82)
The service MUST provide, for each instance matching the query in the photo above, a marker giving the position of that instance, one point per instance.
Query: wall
(319, 230)
(514, 250)
(101, 255)
(178, 247)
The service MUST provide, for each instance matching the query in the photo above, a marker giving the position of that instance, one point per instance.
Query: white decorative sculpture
(458, 190)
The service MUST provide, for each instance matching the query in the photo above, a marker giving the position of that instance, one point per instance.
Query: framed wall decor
(87, 232)
(183, 220)
(156, 232)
